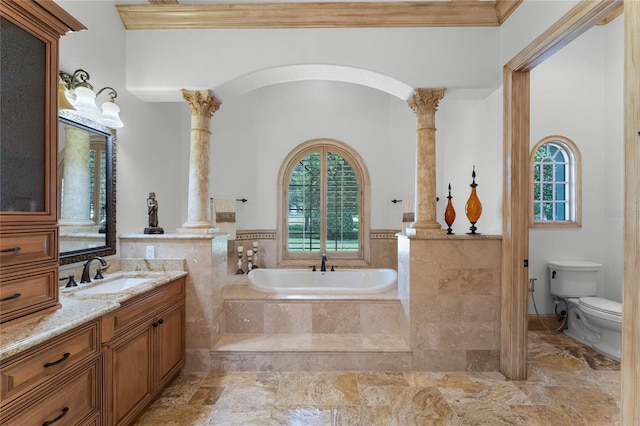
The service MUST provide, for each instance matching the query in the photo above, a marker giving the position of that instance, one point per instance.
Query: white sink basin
(114, 286)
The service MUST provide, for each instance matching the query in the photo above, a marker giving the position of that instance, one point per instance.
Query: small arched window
(324, 188)
(555, 183)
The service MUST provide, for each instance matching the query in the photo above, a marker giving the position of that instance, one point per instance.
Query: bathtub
(305, 281)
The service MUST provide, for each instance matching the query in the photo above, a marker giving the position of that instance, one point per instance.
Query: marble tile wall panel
(197, 360)
(336, 317)
(439, 360)
(128, 264)
(404, 288)
(314, 316)
(287, 317)
(282, 361)
(244, 317)
(454, 300)
(483, 360)
(383, 253)
(205, 257)
(385, 318)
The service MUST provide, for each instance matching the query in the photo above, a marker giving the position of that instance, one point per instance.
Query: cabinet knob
(160, 321)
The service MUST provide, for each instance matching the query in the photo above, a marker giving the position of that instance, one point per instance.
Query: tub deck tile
(247, 342)
(243, 292)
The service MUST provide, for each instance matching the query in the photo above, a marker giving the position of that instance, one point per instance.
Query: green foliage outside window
(324, 176)
(550, 183)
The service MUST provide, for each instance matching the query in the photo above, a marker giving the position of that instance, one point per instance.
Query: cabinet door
(170, 343)
(131, 375)
(27, 144)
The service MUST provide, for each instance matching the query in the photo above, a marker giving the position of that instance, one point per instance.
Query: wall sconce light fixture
(76, 93)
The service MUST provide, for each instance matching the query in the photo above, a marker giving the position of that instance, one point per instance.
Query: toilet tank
(573, 278)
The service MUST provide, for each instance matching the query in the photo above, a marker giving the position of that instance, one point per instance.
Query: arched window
(555, 183)
(324, 190)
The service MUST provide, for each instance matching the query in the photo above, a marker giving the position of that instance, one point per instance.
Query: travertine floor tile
(568, 384)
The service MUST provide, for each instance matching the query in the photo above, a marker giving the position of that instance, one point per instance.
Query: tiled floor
(569, 384)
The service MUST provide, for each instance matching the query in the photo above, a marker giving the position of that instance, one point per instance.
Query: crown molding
(315, 15)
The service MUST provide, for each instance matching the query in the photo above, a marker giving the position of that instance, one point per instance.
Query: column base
(428, 228)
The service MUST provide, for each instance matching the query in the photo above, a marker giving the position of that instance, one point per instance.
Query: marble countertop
(76, 309)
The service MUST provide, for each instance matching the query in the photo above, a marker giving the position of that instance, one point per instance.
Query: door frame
(516, 203)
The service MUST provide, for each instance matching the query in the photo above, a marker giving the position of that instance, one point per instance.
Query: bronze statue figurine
(152, 211)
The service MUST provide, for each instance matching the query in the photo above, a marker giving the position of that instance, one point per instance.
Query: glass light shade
(85, 103)
(63, 101)
(110, 117)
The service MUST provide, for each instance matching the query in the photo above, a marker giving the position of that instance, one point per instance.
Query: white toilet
(592, 320)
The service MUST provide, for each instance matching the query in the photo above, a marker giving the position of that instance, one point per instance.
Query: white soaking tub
(340, 281)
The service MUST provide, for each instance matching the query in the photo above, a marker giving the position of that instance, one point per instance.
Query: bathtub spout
(323, 266)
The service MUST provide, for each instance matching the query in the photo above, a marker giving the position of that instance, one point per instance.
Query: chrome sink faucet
(87, 266)
(323, 265)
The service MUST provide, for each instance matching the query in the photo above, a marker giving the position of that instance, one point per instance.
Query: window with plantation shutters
(324, 203)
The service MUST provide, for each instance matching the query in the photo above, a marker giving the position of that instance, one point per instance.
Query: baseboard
(550, 321)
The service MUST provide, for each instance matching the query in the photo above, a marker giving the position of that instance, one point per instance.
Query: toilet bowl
(593, 321)
(607, 315)
(577, 326)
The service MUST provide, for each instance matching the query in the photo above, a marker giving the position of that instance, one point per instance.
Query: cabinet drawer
(23, 294)
(17, 248)
(146, 306)
(67, 401)
(38, 365)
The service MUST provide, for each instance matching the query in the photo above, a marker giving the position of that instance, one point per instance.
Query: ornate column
(202, 105)
(425, 103)
(77, 183)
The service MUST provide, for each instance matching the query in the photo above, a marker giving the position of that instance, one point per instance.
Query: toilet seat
(601, 307)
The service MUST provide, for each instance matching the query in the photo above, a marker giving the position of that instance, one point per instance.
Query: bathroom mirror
(86, 188)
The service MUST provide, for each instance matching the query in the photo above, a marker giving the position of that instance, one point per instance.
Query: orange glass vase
(473, 208)
(449, 213)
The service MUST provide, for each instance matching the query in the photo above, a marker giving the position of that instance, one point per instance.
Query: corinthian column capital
(426, 100)
(201, 102)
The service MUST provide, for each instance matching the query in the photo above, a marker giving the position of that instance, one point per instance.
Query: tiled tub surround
(445, 315)
(449, 287)
(205, 257)
(270, 331)
(382, 244)
(75, 311)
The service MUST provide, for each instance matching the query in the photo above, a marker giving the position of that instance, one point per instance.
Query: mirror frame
(72, 118)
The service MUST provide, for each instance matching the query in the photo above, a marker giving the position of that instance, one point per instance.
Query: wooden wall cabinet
(144, 350)
(60, 379)
(30, 32)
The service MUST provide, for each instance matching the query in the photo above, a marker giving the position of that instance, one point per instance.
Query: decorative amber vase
(473, 208)
(449, 213)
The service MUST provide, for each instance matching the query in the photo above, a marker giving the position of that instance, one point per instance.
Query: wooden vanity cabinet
(30, 32)
(146, 350)
(59, 379)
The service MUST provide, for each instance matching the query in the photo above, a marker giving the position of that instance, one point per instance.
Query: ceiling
(247, 14)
